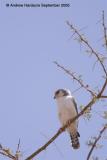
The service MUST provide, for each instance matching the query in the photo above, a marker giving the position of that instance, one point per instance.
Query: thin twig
(18, 146)
(7, 153)
(95, 142)
(104, 28)
(92, 51)
(9, 156)
(95, 97)
(82, 39)
(86, 87)
(17, 155)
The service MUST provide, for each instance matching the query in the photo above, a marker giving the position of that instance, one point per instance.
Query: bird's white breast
(66, 109)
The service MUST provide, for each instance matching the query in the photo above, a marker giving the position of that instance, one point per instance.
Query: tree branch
(61, 130)
(95, 142)
(104, 28)
(93, 100)
(6, 152)
(103, 96)
(90, 104)
(86, 87)
(82, 39)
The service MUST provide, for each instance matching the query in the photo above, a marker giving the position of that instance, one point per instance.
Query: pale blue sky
(31, 39)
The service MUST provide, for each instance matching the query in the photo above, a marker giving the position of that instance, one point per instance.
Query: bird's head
(61, 93)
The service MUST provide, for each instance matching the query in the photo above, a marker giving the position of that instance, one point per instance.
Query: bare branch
(104, 28)
(103, 96)
(86, 87)
(7, 152)
(95, 96)
(90, 104)
(61, 130)
(95, 142)
(82, 39)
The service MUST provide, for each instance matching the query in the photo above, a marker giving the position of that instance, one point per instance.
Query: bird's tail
(75, 140)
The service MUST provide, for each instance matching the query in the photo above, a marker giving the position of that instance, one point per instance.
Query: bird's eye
(57, 92)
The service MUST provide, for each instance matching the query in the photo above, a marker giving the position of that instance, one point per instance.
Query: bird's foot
(61, 129)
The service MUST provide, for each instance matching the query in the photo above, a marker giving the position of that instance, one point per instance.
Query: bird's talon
(61, 129)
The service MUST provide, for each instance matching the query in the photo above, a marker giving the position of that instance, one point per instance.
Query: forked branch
(85, 42)
(91, 103)
(95, 97)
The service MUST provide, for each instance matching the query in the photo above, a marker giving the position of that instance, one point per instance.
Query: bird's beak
(54, 97)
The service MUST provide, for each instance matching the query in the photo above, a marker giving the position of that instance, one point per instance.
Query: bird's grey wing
(75, 104)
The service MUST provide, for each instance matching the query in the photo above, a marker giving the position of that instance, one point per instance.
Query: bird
(67, 109)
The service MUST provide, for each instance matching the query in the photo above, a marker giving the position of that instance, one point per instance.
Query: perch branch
(90, 104)
(61, 130)
(86, 87)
